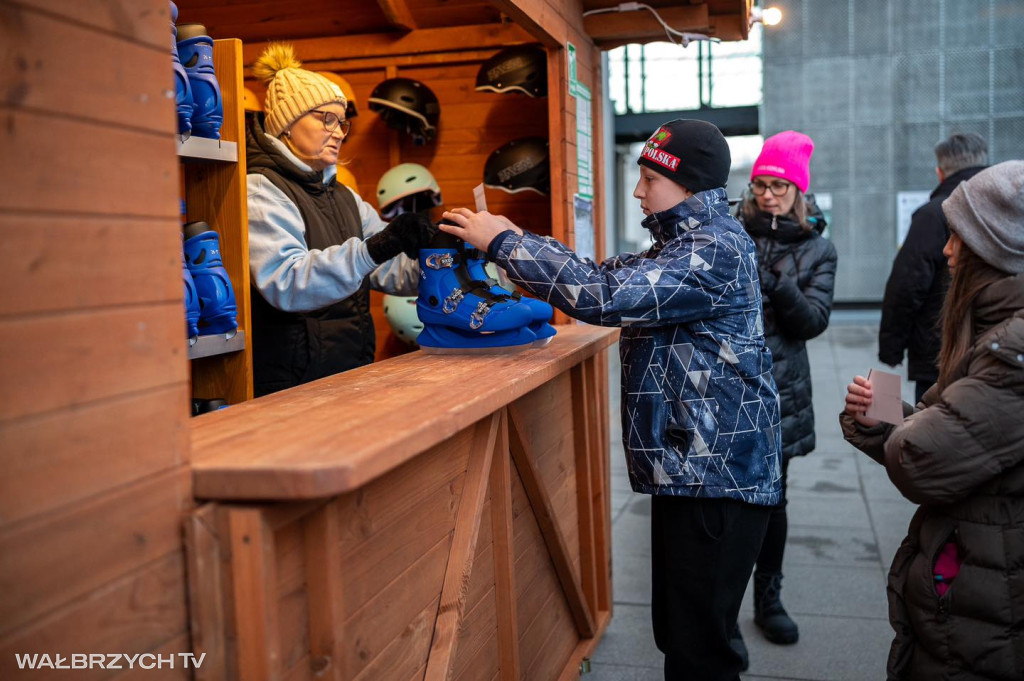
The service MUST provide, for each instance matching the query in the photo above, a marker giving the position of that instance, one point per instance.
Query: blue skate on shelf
(182, 91)
(191, 300)
(461, 316)
(195, 49)
(216, 297)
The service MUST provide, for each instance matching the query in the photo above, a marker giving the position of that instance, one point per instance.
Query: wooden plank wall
(93, 375)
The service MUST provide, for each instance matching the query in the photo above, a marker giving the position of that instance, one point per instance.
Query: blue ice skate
(216, 297)
(461, 317)
(191, 300)
(474, 261)
(182, 91)
(195, 50)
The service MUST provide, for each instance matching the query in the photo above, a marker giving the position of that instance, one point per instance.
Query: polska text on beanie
(786, 155)
(987, 212)
(689, 152)
(292, 91)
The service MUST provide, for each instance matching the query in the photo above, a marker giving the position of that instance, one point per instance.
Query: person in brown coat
(956, 585)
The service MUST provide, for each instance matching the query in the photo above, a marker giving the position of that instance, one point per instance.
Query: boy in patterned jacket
(700, 409)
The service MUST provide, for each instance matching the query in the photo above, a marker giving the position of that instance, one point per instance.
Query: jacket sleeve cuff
(496, 242)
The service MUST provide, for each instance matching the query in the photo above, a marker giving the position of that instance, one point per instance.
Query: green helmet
(405, 181)
(400, 312)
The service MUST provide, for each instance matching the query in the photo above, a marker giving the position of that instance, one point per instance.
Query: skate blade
(503, 350)
(541, 342)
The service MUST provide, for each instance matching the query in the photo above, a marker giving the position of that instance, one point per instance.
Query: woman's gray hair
(961, 150)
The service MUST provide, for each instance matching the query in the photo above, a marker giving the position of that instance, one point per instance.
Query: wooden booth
(422, 517)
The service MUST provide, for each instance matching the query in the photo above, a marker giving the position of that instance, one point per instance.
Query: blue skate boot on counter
(182, 91)
(476, 267)
(216, 297)
(191, 301)
(195, 49)
(461, 316)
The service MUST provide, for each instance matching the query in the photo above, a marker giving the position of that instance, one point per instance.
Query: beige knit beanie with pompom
(292, 91)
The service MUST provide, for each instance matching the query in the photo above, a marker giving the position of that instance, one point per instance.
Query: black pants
(702, 552)
(920, 388)
(773, 548)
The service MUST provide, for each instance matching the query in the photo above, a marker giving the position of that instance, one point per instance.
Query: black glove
(769, 280)
(407, 233)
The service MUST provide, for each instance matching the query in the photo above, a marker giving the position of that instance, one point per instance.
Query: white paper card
(480, 198)
(886, 402)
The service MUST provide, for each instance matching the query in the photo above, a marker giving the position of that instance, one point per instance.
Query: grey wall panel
(917, 87)
(913, 155)
(1008, 88)
(966, 85)
(826, 28)
(872, 27)
(872, 89)
(916, 25)
(828, 81)
(871, 169)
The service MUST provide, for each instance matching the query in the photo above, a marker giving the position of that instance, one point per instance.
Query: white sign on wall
(906, 204)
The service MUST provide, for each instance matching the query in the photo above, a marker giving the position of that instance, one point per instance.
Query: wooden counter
(439, 517)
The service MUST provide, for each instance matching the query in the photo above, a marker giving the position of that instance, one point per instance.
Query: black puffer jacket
(798, 271)
(917, 288)
(961, 457)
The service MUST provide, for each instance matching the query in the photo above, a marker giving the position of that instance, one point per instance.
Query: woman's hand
(858, 399)
(477, 229)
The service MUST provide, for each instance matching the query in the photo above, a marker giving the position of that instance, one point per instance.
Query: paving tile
(830, 546)
(629, 639)
(631, 531)
(833, 591)
(604, 671)
(831, 508)
(631, 579)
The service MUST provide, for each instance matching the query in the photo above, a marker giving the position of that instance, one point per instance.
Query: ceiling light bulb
(772, 16)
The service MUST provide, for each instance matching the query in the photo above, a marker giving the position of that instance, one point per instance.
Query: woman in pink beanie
(797, 269)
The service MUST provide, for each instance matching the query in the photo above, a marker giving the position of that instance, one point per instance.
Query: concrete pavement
(846, 522)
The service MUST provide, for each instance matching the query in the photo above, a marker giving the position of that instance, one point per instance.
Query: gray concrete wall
(876, 83)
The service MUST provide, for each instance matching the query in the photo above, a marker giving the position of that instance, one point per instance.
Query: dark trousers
(773, 548)
(702, 552)
(920, 388)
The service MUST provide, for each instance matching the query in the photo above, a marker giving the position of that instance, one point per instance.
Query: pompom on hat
(788, 156)
(987, 212)
(292, 91)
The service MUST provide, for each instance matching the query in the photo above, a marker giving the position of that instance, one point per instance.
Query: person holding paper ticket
(956, 584)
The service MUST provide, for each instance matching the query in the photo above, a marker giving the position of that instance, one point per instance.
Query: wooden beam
(206, 592)
(441, 660)
(583, 412)
(543, 510)
(254, 584)
(504, 558)
(322, 539)
(641, 24)
(397, 14)
(419, 42)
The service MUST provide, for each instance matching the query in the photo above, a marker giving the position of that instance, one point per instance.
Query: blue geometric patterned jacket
(700, 409)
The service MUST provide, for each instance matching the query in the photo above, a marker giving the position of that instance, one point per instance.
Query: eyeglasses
(333, 121)
(778, 187)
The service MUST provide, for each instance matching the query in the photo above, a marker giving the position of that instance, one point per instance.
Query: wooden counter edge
(223, 472)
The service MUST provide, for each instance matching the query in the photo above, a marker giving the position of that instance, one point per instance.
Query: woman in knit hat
(956, 583)
(797, 268)
(315, 247)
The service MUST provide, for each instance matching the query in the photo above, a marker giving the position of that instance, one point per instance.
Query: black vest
(291, 348)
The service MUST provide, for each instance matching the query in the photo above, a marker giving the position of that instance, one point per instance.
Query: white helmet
(403, 185)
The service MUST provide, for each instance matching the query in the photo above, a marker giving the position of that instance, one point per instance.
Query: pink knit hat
(786, 155)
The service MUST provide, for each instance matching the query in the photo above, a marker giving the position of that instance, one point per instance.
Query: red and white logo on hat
(653, 151)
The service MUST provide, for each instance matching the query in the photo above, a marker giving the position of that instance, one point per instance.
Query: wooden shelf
(222, 343)
(204, 149)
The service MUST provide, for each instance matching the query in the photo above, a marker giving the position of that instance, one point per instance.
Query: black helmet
(519, 165)
(523, 68)
(407, 105)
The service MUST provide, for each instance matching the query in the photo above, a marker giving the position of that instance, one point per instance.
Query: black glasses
(778, 187)
(333, 121)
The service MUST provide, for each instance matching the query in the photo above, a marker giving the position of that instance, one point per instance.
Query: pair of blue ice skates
(209, 299)
(464, 311)
(196, 91)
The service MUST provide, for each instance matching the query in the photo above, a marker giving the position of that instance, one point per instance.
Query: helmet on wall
(408, 187)
(519, 165)
(346, 177)
(351, 110)
(522, 68)
(250, 102)
(407, 105)
(400, 312)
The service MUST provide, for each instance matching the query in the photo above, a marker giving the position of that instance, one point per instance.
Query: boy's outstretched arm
(638, 291)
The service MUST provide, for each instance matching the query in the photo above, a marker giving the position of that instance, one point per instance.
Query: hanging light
(770, 16)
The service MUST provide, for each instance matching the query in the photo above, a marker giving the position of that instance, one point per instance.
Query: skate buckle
(476, 320)
(439, 261)
(453, 300)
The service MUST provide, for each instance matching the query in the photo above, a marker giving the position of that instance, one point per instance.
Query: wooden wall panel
(81, 62)
(94, 375)
(64, 457)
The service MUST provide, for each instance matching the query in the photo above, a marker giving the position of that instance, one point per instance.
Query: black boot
(769, 614)
(739, 647)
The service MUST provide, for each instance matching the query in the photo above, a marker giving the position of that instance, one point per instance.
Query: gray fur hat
(987, 212)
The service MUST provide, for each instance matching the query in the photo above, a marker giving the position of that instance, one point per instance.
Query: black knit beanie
(691, 153)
